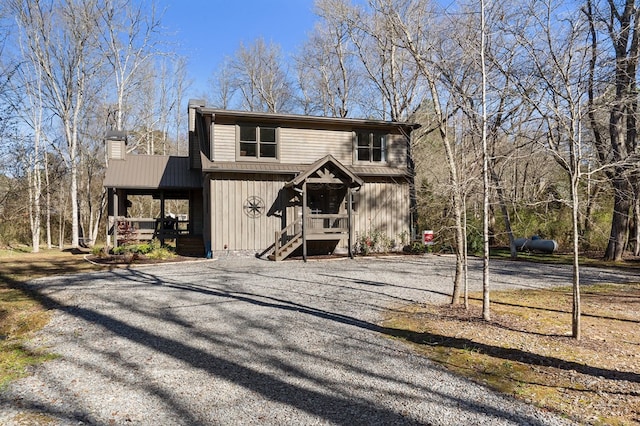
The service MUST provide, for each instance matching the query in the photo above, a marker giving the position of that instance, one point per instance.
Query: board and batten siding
(383, 206)
(230, 225)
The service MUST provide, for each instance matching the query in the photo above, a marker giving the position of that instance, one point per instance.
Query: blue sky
(209, 30)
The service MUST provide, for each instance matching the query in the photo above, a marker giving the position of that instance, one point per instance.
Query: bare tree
(617, 22)
(129, 41)
(328, 73)
(560, 61)
(260, 78)
(222, 88)
(388, 66)
(486, 313)
(413, 35)
(60, 38)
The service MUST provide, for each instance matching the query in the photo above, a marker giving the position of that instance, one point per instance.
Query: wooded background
(560, 103)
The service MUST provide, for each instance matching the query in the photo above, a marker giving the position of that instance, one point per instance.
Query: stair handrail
(284, 230)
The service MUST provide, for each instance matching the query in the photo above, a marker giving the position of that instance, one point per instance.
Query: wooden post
(304, 221)
(349, 203)
(116, 212)
(162, 217)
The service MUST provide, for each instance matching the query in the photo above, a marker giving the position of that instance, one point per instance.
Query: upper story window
(259, 142)
(371, 146)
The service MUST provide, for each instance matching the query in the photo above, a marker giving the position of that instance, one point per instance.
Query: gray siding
(231, 226)
(305, 146)
(396, 151)
(224, 146)
(383, 206)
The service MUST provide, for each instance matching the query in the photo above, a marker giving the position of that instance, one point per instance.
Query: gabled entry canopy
(328, 181)
(326, 170)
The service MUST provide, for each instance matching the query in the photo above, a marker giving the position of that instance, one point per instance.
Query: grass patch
(526, 350)
(592, 259)
(21, 313)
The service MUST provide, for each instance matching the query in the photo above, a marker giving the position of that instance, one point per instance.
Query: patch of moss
(15, 358)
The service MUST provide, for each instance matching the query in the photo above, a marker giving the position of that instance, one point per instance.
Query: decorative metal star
(253, 206)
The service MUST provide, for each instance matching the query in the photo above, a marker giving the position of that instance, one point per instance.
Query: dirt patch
(526, 349)
(134, 259)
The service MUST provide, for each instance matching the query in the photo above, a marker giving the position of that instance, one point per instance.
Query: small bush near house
(373, 242)
(161, 253)
(150, 250)
(417, 247)
(138, 248)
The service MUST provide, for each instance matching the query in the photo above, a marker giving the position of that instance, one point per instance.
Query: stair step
(287, 248)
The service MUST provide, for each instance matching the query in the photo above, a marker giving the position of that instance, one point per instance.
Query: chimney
(116, 144)
(195, 162)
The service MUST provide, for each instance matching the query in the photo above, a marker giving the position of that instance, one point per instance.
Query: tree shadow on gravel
(333, 408)
(431, 339)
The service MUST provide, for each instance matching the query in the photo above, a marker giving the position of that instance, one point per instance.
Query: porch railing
(326, 224)
(143, 228)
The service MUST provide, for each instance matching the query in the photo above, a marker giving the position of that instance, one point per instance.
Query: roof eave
(308, 119)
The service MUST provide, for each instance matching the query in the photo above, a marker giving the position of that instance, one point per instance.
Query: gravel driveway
(246, 341)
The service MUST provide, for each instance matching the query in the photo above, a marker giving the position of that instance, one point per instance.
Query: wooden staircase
(285, 250)
(287, 241)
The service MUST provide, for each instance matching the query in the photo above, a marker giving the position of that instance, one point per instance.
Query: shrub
(161, 253)
(152, 250)
(98, 251)
(139, 248)
(373, 242)
(418, 247)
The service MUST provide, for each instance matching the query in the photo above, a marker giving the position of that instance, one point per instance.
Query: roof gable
(327, 170)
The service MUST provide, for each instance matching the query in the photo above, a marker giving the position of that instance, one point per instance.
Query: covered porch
(324, 193)
(161, 199)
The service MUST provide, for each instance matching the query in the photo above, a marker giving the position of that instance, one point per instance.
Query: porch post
(349, 202)
(162, 217)
(304, 221)
(116, 212)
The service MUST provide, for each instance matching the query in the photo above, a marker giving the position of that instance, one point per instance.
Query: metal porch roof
(152, 172)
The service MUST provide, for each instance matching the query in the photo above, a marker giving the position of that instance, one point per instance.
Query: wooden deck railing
(143, 229)
(322, 224)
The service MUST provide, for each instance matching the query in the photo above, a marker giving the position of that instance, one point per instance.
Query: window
(258, 142)
(371, 147)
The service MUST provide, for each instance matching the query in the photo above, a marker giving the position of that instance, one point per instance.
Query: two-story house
(273, 184)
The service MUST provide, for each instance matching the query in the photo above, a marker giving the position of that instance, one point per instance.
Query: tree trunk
(636, 219)
(35, 189)
(456, 192)
(620, 221)
(505, 213)
(486, 312)
(575, 322)
(48, 202)
(61, 217)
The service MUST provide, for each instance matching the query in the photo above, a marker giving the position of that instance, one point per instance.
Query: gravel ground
(246, 341)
